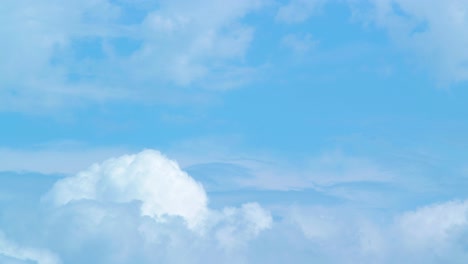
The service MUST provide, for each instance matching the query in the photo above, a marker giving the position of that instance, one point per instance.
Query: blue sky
(233, 131)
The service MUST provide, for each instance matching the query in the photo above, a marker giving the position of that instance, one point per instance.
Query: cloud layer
(147, 206)
(143, 208)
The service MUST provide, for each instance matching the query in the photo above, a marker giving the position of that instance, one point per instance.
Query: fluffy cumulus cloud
(143, 208)
(135, 208)
(103, 50)
(158, 183)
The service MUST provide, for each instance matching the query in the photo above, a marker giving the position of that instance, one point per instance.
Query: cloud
(95, 51)
(149, 192)
(431, 227)
(435, 233)
(195, 38)
(432, 33)
(149, 177)
(340, 233)
(317, 172)
(298, 11)
(12, 253)
(35, 36)
(224, 168)
(234, 227)
(435, 31)
(134, 208)
(143, 208)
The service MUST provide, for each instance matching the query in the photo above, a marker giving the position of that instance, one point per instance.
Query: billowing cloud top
(149, 177)
(94, 219)
(145, 203)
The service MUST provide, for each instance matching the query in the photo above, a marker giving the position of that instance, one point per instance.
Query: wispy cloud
(298, 11)
(433, 32)
(104, 50)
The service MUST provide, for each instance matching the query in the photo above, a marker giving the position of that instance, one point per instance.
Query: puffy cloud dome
(158, 182)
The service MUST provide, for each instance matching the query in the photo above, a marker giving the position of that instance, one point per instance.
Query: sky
(233, 131)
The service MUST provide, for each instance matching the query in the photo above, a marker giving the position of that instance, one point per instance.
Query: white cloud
(163, 189)
(272, 171)
(186, 41)
(34, 34)
(16, 252)
(319, 172)
(242, 224)
(434, 30)
(143, 208)
(161, 186)
(433, 33)
(435, 233)
(316, 223)
(334, 226)
(53, 52)
(150, 200)
(432, 226)
(99, 217)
